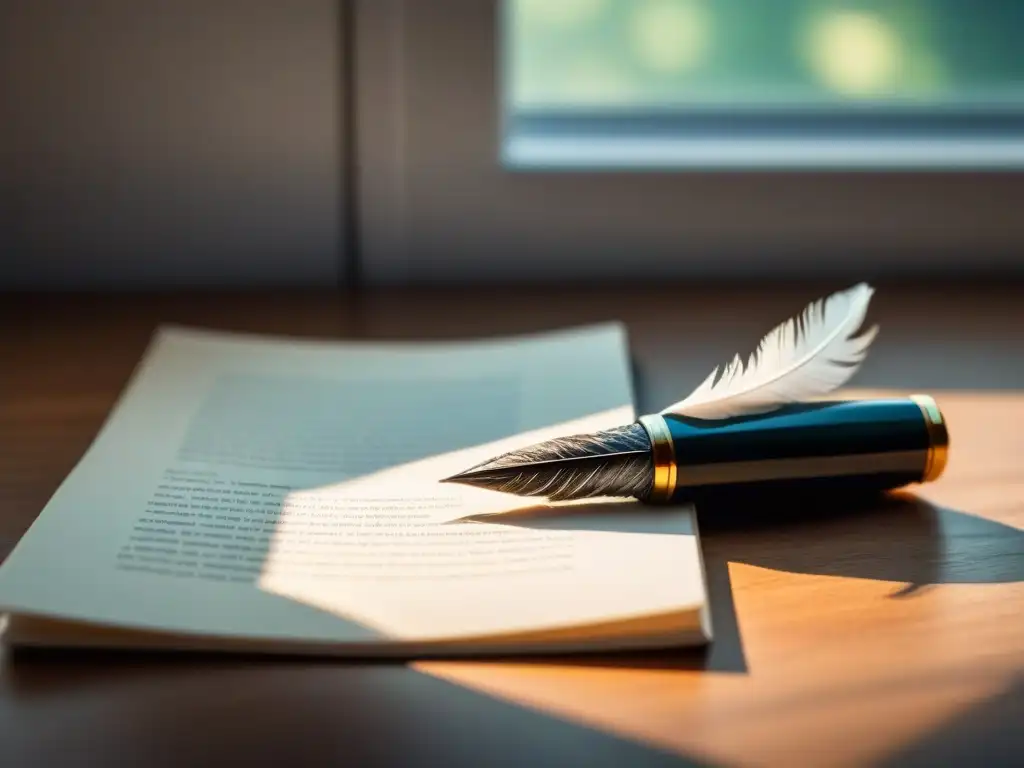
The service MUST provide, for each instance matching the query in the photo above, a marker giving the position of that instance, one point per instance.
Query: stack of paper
(282, 495)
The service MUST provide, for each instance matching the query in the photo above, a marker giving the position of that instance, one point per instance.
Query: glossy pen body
(857, 444)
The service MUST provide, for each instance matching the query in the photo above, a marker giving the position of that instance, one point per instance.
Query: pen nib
(616, 462)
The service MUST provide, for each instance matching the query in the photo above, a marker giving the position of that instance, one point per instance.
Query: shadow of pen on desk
(894, 537)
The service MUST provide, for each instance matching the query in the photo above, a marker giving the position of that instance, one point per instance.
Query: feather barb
(802, 358)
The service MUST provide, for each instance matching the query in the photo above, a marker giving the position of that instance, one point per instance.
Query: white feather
(799, 360)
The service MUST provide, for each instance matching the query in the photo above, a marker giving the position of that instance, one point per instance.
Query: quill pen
(757, 422)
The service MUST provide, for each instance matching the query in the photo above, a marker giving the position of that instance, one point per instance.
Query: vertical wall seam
(349, 242)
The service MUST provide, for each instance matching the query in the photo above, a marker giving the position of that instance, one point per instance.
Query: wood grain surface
(889, 633)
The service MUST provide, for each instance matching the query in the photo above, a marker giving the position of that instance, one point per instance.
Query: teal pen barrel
(856, 445)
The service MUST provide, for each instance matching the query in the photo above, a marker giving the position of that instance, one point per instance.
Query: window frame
(736, 139)
(437, 204)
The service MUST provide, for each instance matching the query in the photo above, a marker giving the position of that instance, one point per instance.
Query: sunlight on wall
(671, 35)
(855, 53)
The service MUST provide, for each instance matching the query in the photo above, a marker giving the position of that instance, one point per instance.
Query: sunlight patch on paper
(385, 550)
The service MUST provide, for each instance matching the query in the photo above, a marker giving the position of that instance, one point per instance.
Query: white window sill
(537, 153)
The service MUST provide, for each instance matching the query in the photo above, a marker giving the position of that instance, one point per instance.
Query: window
(445, 89)
(785, 83)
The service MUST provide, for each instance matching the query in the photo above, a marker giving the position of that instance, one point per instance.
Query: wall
(200, 142)
(162, 144)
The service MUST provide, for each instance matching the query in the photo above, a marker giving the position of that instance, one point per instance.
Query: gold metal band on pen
(663, 453)
(938, 438)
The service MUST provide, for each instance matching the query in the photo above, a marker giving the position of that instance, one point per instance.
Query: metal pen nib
(615, 462)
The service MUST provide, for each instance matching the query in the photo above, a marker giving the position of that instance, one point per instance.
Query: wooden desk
(889, 636)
